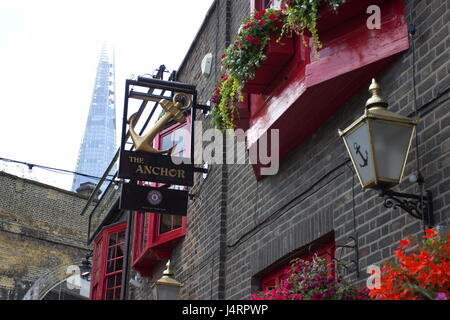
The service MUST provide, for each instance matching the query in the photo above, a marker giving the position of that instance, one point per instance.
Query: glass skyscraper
(99, 142)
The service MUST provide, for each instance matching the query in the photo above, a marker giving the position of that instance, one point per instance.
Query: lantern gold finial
(376, 100)
(167, 278)
(169, 270)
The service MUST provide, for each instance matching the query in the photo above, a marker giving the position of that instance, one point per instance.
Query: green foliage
(245, 54)
(302, 16)
(223, 114)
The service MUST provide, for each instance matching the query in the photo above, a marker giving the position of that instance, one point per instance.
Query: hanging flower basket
(278, 55)
(253, 60)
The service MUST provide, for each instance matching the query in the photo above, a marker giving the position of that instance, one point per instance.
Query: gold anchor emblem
(173, 109)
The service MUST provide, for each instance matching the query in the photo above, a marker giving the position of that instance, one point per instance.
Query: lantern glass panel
(391, 144)
(165, 292)
(358, 144)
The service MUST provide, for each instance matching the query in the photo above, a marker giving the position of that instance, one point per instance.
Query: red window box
(328, 19)
(305, 95)
(281, 273)
(107, 267)
(278, 55)
(155, 235)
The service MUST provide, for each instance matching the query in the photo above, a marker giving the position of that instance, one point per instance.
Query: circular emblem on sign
(154, 197)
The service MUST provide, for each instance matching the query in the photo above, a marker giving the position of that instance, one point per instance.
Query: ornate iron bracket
(418, 206)
(203, 107)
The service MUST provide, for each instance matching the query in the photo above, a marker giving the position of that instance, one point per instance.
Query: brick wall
(239, 227)
(40, 229)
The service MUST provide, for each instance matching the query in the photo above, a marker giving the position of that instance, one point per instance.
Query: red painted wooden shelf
(307, 92)
(278, 55)
(329, 19)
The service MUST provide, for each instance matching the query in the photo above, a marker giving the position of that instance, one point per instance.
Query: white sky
(49, 52)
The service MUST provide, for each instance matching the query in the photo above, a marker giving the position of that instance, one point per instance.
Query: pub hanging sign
(146, 163)
(145, 166)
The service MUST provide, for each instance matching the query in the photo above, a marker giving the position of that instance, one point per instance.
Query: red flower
(279, 24)
(249, 38)
(429, 233)
(223, 56)
(261, 23)
(403, 244)
(272, 16)
(248, 25)
(256, 41)
(427, 268)
(260, 14)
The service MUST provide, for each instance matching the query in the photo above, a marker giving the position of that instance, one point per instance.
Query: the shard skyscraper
(99, 142)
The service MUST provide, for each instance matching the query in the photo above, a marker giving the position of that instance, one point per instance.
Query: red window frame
(281, 273)
(260, 4)
(103, 280)
(149, 244)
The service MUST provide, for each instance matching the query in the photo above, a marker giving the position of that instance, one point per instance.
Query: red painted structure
(155, 235)
(309, 90)
(280, 274)
(107, 267)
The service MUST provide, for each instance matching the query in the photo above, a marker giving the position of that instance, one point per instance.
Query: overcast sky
(49, 52)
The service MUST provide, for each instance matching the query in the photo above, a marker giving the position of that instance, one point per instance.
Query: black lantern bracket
(418, 206)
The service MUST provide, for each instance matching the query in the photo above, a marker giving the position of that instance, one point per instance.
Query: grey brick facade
(238, 228)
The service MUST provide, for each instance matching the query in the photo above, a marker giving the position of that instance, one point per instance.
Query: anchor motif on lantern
(365, 160)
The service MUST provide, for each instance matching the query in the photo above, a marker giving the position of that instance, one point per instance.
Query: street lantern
(166, 288)
(378, 144)
(85, 266)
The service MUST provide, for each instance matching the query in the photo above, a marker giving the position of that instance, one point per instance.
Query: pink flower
(317, 296)
(441, 296)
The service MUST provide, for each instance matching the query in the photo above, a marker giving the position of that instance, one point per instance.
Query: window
(108, 257)
(263, 4)
(281, 273)
(156, 234)
(275, 278)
